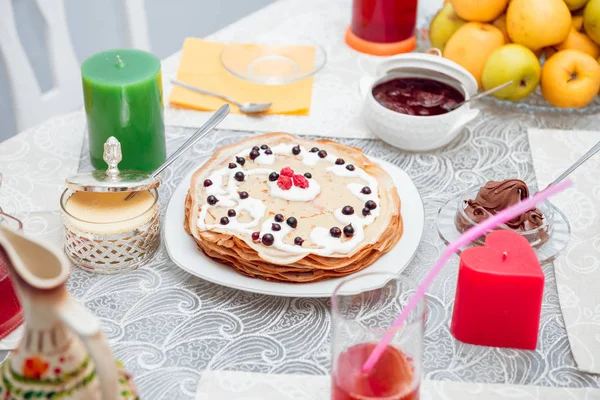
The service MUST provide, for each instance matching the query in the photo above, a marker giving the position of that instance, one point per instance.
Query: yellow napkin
(200, 66)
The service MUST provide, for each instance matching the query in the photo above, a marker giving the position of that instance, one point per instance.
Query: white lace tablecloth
(168, 326)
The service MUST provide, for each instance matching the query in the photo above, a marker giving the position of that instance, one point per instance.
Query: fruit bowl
(535, 102)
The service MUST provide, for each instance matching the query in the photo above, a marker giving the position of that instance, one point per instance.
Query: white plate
(183, 251)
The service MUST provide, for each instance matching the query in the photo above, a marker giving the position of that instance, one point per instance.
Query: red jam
(417, 96)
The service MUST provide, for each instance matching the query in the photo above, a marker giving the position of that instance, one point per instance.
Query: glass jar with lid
(111, 218)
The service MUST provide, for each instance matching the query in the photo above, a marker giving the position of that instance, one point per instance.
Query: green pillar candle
(123, 98)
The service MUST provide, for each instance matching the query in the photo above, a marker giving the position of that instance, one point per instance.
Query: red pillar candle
(499, 293)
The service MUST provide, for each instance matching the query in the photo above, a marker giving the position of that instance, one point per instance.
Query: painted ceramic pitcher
(63, 354)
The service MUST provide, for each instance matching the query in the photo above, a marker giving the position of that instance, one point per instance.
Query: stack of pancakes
(255, 259)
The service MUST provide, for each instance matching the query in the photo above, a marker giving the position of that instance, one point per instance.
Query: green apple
(443, 26)
(575, 4)
(512, 62)
(591, 20)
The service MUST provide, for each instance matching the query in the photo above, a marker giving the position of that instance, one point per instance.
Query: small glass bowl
(274, 62)
(536, 237)
(548, 240)
(105, 248)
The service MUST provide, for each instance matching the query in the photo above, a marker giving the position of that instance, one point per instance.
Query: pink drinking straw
(468, 236)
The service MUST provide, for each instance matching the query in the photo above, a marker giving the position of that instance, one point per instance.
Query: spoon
(249, 108)
(483, 94)
(208, 126)
(576, 164)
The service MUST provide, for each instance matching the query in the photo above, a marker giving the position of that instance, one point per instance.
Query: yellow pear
(500, 23)
(591, 20)
(538, 23)
(575, 4)
(471, 45)
(577, 22)
(479, 10)
(443, 26)
(576, 41)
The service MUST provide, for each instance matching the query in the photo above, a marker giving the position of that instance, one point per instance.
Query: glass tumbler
(11, 315)
(363, 308)
(383, 27)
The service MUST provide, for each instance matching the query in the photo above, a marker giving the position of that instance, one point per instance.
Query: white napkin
(229, 385)
(11, 341)
(578, 268)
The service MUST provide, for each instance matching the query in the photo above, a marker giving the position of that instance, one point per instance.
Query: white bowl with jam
(411, 101)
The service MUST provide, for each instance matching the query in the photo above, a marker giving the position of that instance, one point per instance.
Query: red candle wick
(504, 255)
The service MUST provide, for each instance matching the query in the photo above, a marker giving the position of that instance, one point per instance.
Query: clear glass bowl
(535, 237)
(276, 62)
(548, 240)
(101, 248)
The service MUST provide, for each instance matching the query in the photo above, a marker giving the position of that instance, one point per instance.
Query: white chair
(31, 105)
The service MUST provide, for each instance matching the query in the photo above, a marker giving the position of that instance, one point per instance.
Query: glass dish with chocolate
(476, 205)
(545, 227)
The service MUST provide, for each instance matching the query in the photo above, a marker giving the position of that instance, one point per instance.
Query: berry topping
(340, 161)
(276, 227)
(278, 218)
(273, 176)
(207, 182)
(240, 160)
(264, 147)
(308, 175)
(287, 171)
(268, 239)
(239, 176)
(350, 167)
(224, 220)
(347, 210)
(256, 236)
(293, 222)
(349, 230)
(243, 195)
(366, 190)
(300, 181)
(231, 213)
(254, 154)
(296, 150)
(255, 148)
(232, 165)
(284, 182)
(335, 232)
(212, 200)
(268, 152)
(366, 211)
(314, 149)
(371, 205)
(322, 154)
(298, 241)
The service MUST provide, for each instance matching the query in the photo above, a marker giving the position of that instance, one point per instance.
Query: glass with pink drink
(10, 308)
(363, 308)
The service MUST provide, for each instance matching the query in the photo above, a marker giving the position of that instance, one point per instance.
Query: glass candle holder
(11, 315)
(363, 308)
(110, 246)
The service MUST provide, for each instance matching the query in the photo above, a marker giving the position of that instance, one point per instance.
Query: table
(167, 326)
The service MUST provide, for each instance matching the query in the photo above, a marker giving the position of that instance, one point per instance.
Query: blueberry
(335, 232)
(349, 230)
(366, 211)
(340, 161)
(207, 182)
(268, 152)
(298, 241)
(350, 167)
(296, 150)
(314, 149)
(243, 195)
(275, 227)
(308, 175)
(224, 220)
(212, 200)
(293, 222)
(232, 165)
(273, 176)
(371, 205)
(322, 154)
(366, 190)
(268, 239)
(240, 160)
(278, 218)
(347, 210)
(239, 176)
(231, 213)
(254, 154)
